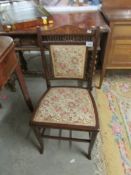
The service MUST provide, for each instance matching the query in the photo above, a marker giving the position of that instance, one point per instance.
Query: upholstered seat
(66, 106)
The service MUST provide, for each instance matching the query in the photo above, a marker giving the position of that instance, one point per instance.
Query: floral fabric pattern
(66, 106)
(68, 61)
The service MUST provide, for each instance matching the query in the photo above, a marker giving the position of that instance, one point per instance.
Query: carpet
(112, 151)
(114, 107)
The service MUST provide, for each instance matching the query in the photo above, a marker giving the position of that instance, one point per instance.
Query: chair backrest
(71, 56)
(68, 61)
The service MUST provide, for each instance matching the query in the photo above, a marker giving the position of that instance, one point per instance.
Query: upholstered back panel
(68, 61)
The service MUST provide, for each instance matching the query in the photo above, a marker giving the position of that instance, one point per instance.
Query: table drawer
(121, 30)
(120, 54)
(7, 66)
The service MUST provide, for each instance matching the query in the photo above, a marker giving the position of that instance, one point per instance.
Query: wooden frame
(39, 127)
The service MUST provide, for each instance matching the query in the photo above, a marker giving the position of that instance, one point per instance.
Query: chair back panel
(68, 61)
(71, 56)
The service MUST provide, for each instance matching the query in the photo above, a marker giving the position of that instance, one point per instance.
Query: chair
(67, 107)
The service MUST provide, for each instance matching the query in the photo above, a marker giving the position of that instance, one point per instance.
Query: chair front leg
(93, 136)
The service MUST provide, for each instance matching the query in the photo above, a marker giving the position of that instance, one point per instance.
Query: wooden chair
(66, 107)
(9, 65)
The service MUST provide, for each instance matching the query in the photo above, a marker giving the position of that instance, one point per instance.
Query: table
(27, 39)
(9, 64)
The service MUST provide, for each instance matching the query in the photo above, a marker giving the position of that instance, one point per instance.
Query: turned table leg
(23, 87)
(22, 61)
(102, 77)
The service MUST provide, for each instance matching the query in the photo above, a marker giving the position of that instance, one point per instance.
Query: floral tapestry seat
(66, 106)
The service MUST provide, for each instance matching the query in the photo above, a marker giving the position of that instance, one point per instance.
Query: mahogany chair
(67, 107)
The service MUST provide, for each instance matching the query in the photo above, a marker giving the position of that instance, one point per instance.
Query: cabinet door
(120, 54)
(118, 50)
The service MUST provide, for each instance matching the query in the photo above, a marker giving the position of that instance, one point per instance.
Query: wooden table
(9, 64)
(27, 39)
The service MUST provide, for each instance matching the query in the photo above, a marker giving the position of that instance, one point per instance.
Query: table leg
(102, 77)
(23, 87)
(22, 61)
(103, 44)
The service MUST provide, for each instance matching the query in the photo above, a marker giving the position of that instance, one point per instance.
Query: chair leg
(39, 138)
(93, 138)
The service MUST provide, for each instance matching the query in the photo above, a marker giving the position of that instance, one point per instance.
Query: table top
(116, 14)
(26, 10)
